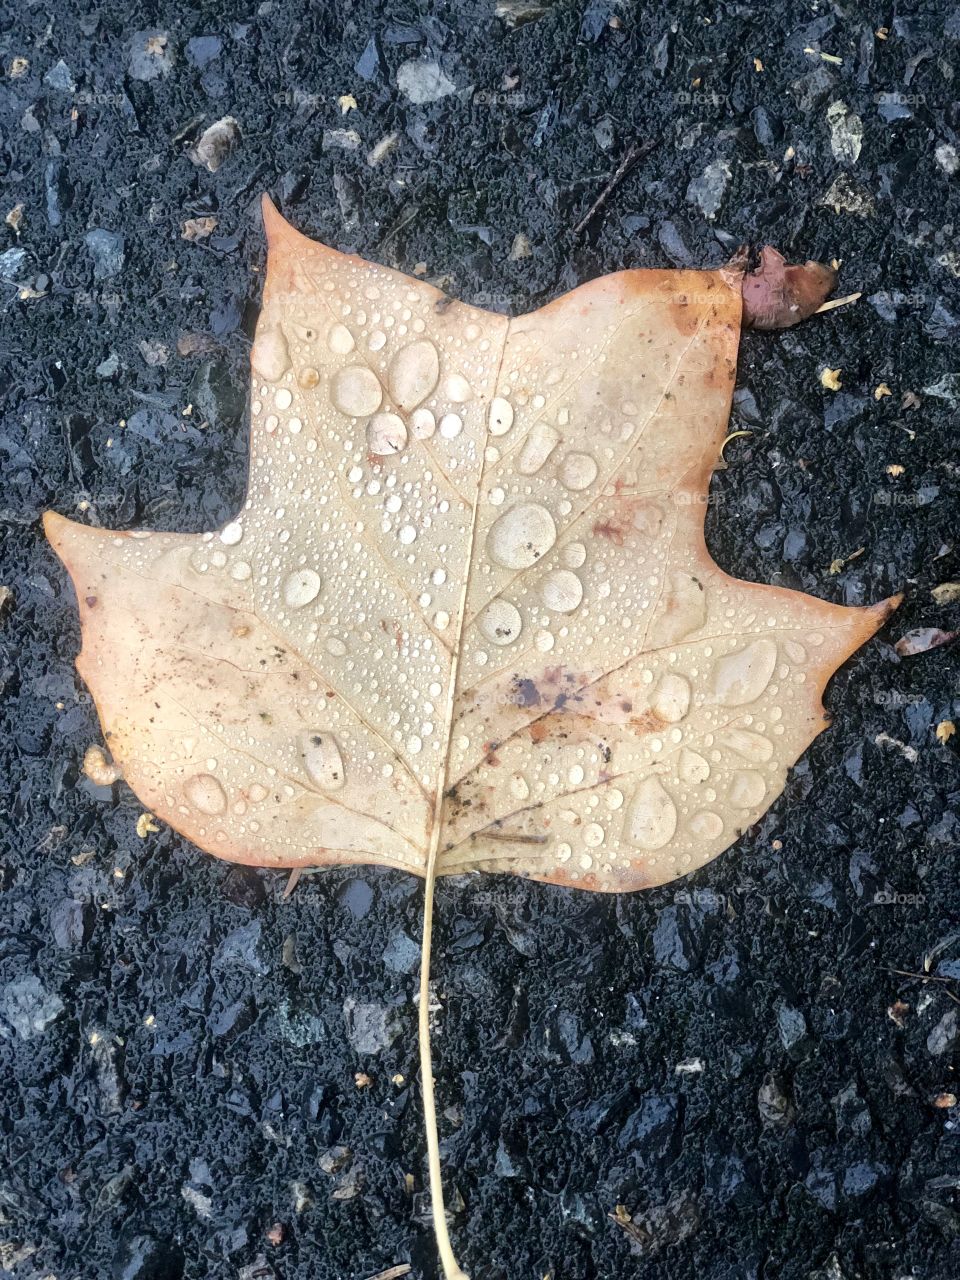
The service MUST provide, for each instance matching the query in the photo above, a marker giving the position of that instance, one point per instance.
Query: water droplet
(424, 423)
(301, 587)
(240, 571)
(653, 816)
(575, 775)
(458, 389)
(578, 471)
(377, 340)
(574, 555)
(747, 789)
(539, 445)
(283, 399)
(356, 391)
(335, 646)
(752, 746)
(231, 533)
(256, 793)
(692, 767)
(413, 374)
(501, 416)
(795, 652)
(340, 340)
(386, 434)
(706, 825)
(593, 835)
(308, 378)
(270, 356)
(544, 641)
(407, 535)
(562, 591)
(614, 799)
(522, 535)
(500, 622)
(322, 759)
(414, 744)
(451, 424)
(671, 701)
(205, 793)
(742, 677)
(519, 787)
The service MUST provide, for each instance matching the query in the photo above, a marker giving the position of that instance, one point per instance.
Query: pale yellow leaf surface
(466, 607)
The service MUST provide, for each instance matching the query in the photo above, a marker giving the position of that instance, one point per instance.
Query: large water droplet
(752, 746)
(500, 622)
(322, 759)
(424, 423)
(205, 793)
(270, 356)
(692, 768)
(562, 591)
(458, 389)
(653, 816)
(522, 535)
(231, 533)
(413, 374)
(386, 434)
(747, 789)
(501, 416)
(356, 391)
(742, 677)
(671, 701)
(706, 825)
(340, 340)
(539, 445)
(578, 471)
(302, 586)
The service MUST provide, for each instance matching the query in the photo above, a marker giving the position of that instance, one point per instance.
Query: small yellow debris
(118, 873)
(98, 768)
(946, 592)
(841, 561)
(409, 1183)
(881, 391)
(776, 845)
(943, 1101)
(149, 1020)
(827, 57)
(896, 469)
(830, 379)
(14, 217)
(882, 32)
(146, 826)
(93, 1039)
(195, 229)
(347, 102)
(696, 83)
(789, 154)
(897, 1013)
(18, 67)
(732, 436)
(832, 303)
(757, 65)
(945, 731)
(362, 1080)
(397, 1079)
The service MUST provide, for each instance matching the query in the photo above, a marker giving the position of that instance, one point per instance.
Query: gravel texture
(733, 1060)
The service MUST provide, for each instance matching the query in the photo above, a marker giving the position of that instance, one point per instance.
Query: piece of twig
(636, 151)
(295, 875)
(393, 1273)
(928, 977)
(833, 303)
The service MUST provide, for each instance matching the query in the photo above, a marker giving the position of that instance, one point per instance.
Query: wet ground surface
(734, 1060)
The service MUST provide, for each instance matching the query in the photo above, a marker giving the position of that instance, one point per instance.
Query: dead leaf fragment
(100, 770)
(945, 731)
(922, 639)
(778, 296)
(895, 469)
(195, 229)
(946, 592)
(881, 391)
(216, 143)
(830, 379)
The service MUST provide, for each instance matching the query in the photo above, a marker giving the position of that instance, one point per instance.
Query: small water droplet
(270, 356)
(578, 471)
(451, 424)
(231, 533)
(424, 424)
(322, 759)
(501, 416)
(519, 787)
(539, 445)
(407, 535)
(500, 622)
(414, 372)
(562, 591)
(340, 340)
(653, 816)
(458, 389)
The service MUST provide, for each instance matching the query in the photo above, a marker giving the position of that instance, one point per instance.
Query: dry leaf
(945, 731)
(466, 619)
(921, 639)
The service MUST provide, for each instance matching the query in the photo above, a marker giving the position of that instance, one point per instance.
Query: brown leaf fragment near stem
(100, 770)
(778, 296)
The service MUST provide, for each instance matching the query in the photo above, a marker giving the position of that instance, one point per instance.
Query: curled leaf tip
(778, 296)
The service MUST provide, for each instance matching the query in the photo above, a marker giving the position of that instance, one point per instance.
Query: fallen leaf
(466, 619)
(945, 731)
(921, 639)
